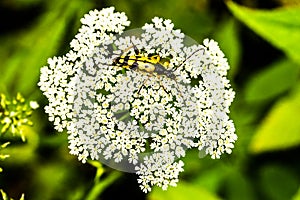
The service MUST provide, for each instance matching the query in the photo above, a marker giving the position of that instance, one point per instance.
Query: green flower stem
(125, 116)
(100, 185)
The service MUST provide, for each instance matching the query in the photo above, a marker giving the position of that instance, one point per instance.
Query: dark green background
(261, 40)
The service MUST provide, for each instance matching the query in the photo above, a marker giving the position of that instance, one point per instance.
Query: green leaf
(52, 179)
(271, 82)
(281, 128)
(30, 49)
(280, 27)
(227, 37)
(193, 17)
(183, 191)
(211, 178)
(297, 195)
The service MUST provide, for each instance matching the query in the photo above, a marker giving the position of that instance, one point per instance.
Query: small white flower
(33, 104)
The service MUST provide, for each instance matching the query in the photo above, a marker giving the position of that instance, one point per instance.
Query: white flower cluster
(139, 120)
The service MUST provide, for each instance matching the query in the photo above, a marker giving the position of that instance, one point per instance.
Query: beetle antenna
(187, 58)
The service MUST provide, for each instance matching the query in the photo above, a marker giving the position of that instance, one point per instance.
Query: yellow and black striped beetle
(149, 64)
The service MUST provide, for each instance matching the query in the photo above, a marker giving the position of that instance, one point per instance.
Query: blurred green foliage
(262, 47)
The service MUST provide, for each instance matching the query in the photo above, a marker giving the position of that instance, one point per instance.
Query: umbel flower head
(15, 114)
(137, 100)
